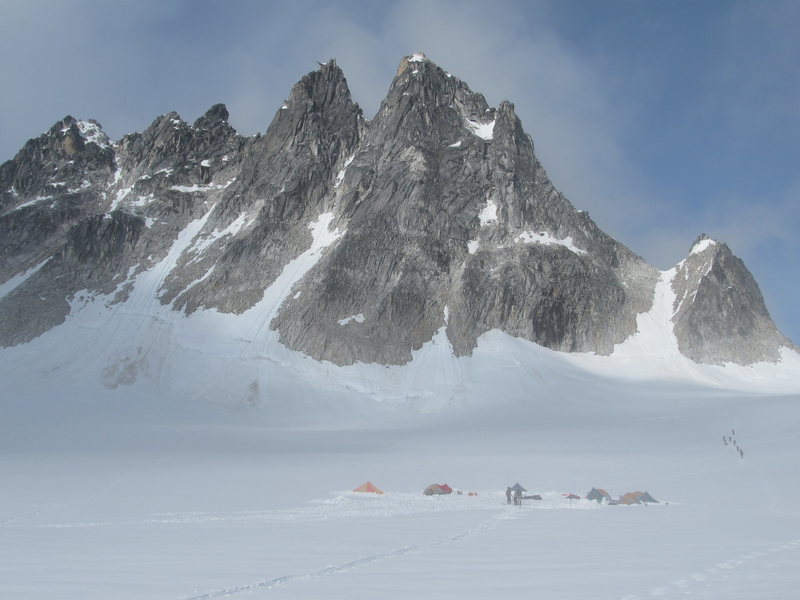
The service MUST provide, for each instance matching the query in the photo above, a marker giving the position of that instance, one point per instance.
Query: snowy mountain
(422, 256)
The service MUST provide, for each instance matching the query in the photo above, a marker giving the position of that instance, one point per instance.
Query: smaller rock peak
(702, 243)
(329, 74)
(506, 107)
(324, 87)
(216, 114)
(328, 65)
(63, 126)
(92, 133)
(412, 60)
(171, 116)
(328, 71)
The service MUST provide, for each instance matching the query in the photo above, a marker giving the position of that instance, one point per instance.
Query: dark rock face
(97, 213)
(282, 185)
(52, 182)
(431, 162)
(720, 314)
(447, 218)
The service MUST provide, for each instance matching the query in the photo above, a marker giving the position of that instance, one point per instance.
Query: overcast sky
(663, 119)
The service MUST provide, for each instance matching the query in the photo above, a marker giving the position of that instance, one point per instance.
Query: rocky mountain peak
(424, 86)
(702, 243)
(65, 160)
(411, 61)
(318, 108)
(320, 91)
(719, 312)
(216, 114)
(71, 137)
(435, 220)
(449, 213)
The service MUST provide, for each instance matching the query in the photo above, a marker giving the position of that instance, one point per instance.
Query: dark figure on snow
(508, 495)
(517, 497)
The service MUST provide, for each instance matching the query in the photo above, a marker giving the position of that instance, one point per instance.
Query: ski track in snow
(506, 514)
(728, 569)
(774, 496)
(343, 506)
(79, 500)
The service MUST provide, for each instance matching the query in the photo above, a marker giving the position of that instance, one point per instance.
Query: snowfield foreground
(138, 500)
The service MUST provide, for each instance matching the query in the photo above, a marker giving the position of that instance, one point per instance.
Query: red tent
(437, 489)
(368, 488)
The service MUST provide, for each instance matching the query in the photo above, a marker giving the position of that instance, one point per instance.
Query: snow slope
(125, 502)
(149, 454)
(140, 348)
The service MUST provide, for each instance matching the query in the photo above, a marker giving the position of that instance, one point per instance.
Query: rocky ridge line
(447, 218)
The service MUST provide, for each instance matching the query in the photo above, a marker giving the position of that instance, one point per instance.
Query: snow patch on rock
(359, 318)
(702, 245)
(655, 335)
(36, 200)
(489, 213)
(340, 175)
(544, 238)
(92, 134)
(188, 189)
(485, 131)
(11, 284)
(203, 242)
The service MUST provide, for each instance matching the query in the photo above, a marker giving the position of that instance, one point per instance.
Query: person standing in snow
(508, 495)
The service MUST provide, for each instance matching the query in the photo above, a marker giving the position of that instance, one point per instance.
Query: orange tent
(632, 498)
(368, 488)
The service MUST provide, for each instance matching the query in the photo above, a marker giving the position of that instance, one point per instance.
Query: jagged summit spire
(218, 112)
(323, 87)
(406, 61)
(702, 243)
